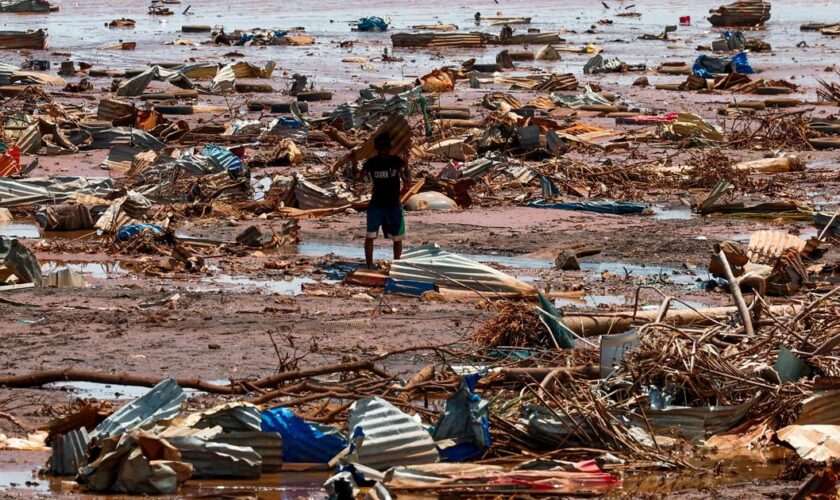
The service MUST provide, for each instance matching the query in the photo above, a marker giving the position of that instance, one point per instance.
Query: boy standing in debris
(386, 171)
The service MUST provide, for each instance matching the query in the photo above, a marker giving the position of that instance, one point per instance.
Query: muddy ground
(249, 314)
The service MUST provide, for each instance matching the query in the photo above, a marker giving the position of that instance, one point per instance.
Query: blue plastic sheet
(372, 23)
(708, 66)
(741, 64)
(292, 123)
(600, 206)
(303, 442)
(464, 420)
(130, 231)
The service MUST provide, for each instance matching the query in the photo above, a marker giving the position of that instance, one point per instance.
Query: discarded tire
(781, 102)
(196, 28)
(453, 114)
(825, 142)
(174, 110)
(314, 96)
(262, 88)
(773, 90)
(276, 106)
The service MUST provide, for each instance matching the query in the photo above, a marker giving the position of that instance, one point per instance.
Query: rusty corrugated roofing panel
(821, 408)
(766, 246)
(29, 141)
(111, 109)
(36, 40)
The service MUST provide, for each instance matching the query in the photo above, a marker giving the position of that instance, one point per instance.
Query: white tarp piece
(615, 347)
(431, 264)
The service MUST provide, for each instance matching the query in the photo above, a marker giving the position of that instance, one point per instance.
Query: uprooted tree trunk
(39, 378)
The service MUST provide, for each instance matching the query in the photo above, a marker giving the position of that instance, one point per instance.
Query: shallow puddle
(293, 286)
(636, 270)
(286, 485)
(591, 301)
(18, 479)
(679, 212)
(20, 230)
(95, 390)
(747, 466)
(100, 270)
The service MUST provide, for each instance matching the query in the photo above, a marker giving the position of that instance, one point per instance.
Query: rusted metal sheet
(821, 408)
(36, 40)
(741, 13)
(120, 157)
(29, 141)
(391, 437)
(28, 6)
(112, 109)
(431, 264)
(309, 195)
(438, 39)
(766, 246)
(395, 126)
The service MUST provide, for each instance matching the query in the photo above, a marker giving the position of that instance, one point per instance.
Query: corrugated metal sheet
(129, 209)
(224, 81)
(36, 40)
(51, 189)
(217, 459)
(120, 157)
(766, 246)
(310, 196)
(29, 141)
(431, 264)
(694, 423)
(821, 408)
(162, 402)
(268, 444)
(231, 417)
(111, 109)
(438, 40)
(69, 452)
(741, 13)
(391, 437)
(819, 443)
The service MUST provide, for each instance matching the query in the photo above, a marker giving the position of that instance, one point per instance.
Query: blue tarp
(372, 23)
(708, 66)
(303, 442)
(130, 231)
(465, 421)
(601, 206)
